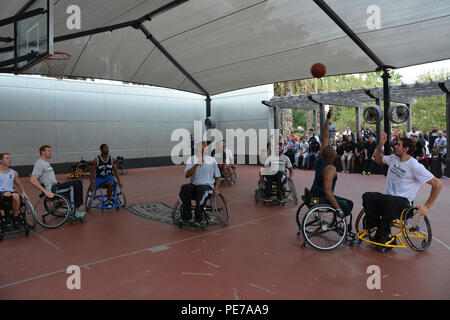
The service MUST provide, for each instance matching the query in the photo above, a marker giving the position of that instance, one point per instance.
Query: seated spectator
(369, 159)
(373, 134)
(348, 147)
(414, 131)
(292, 149)
(314, 148)
(419, 153)
(300, 156)
(348, 132)
(364, 132)
(332, 131)
(340, 146)
(359, 152)
(433, 136)
(441, 144)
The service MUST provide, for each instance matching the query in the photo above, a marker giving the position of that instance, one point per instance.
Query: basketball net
(56, 64)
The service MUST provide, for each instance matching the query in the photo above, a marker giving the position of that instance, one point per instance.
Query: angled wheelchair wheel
(361, 225)
(258, 195)
(221, 211)
(121, 199)
(297, 216)
(88, 199)
(322, 229)
(176, 214)
(233, 175)
(416, 230)
(52, 212)
(28, 214)
(123, 168)
(228, 177)
(293, 191)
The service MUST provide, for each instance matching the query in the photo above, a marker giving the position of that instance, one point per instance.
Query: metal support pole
(358, 122)
(446, 89)
(409, 121)
(447, 113)
(208, 106)
(276, 118)
(322, 117)
(378, 126)
(387, 102)
(315, 121)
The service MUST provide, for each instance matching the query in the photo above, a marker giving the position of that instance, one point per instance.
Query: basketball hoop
(57, 63)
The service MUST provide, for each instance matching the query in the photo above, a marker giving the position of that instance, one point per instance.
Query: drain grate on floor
(155, 211)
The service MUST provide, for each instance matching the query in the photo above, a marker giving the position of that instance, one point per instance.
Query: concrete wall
(75, 117)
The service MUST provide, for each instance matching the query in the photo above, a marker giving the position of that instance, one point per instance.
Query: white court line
(48, 241)
(86, 265)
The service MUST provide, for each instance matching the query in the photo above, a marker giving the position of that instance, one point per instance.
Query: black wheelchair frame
(26, 217)
(215, 212)
(321, 224)
(289, 195)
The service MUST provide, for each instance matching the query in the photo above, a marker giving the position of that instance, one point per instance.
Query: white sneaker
(445, 178)
(79, 214)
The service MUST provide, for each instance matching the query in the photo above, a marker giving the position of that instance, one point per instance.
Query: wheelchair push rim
(52, 212)
(322, 229)
(416, 230)
(221, 210)
(28, 213)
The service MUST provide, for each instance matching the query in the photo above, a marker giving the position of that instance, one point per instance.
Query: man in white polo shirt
(205, 180)
(404, 178)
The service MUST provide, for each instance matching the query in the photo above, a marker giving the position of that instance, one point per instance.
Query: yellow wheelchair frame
(404, 239)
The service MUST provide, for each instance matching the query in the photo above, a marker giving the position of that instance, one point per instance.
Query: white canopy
(231, 44)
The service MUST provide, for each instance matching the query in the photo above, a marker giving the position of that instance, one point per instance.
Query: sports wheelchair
(228, 175)
(289, 193)
(321, 226)
(53, 212)
(215, 212)
(97, 199)
(26, 218)
(414, 231)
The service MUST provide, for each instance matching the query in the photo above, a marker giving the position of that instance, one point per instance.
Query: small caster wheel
(298, 234)
(203, 229)
(383, 250)
(27, 233)
(351, 244)
(82, 220)
(358, 242)
(303, 245)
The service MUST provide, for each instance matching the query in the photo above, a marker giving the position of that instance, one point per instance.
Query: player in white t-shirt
(404, 178)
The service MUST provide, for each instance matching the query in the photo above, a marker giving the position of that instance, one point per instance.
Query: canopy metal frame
(357, 98)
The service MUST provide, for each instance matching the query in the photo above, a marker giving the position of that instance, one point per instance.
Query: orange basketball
(318, 70)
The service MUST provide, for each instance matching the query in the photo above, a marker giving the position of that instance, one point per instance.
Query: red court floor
(258, 256)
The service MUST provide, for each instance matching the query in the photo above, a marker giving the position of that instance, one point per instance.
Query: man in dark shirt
(419, 153)
(314, 148)
(359, 152)
(432, 136)
(369, 160)
(349, 147)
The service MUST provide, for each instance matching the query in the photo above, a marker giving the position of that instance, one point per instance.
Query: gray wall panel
(75, 117)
